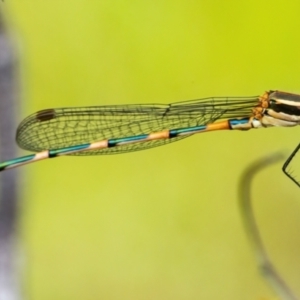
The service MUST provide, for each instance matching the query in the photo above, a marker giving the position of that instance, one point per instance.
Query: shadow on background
(264, 261)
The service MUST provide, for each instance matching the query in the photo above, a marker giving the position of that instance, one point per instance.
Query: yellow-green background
(163, 223)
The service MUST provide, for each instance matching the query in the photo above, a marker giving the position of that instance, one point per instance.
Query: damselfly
(116, 129)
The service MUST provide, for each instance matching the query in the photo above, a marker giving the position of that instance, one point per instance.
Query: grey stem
(9, 287)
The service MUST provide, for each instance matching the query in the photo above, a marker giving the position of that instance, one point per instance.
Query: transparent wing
(63, 127)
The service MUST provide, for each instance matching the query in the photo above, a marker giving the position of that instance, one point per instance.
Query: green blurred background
(162, 223)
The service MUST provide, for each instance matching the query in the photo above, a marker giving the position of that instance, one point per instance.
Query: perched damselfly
(97, 130)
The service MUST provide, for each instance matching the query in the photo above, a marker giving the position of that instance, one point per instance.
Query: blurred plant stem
(9, 287)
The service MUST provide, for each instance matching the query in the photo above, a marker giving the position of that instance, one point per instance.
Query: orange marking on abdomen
(223, 125)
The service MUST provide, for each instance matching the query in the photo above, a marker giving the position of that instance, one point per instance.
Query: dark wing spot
(45, 115)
